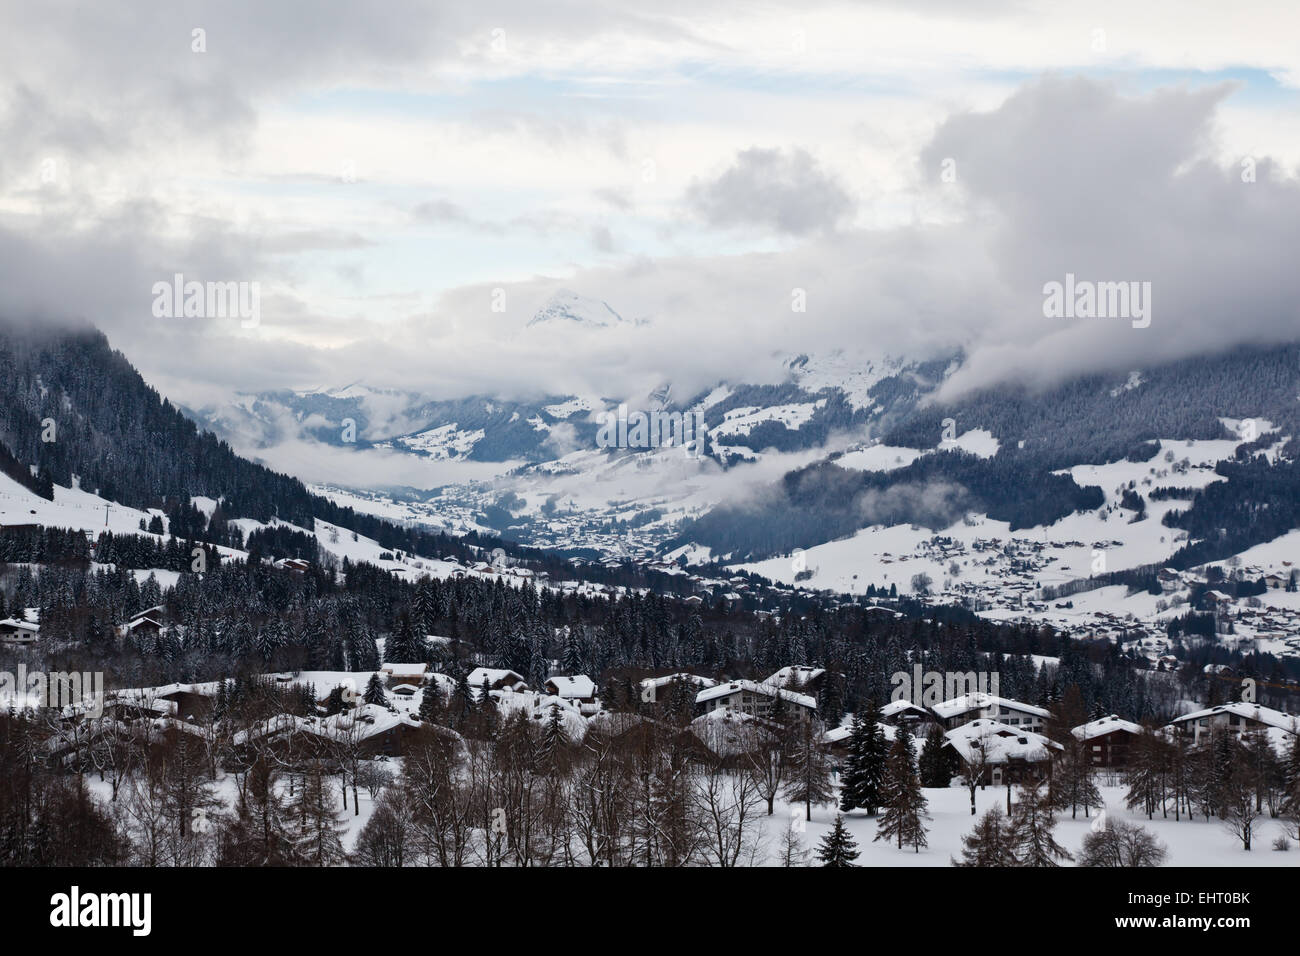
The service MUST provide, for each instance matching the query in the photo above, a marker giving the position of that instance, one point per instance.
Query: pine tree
(989, 844)
(431, 702)
(865, 770)
(936, 763)
(810, 772)
(837, 848)
(375, 691)
(900, 793)
(1032, 822)
(317, 830)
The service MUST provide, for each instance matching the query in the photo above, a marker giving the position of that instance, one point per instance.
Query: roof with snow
(1103, 726)
(1000, 743)
(737, 686)
(1257, 712)
(968, 702)
(493, 675)
(896, 707)
(667, 679)
(405, 671)
(797, 674)
(577, 686)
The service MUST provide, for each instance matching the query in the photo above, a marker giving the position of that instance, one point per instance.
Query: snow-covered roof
(737, 686)
(493, 675)
(797, 674)
(1001, 742)
(1105, 725)
(17, 625)
(968, 702)
(538, 708)
(896, 707)
(576, 686)
(405, 671)
(1265, 715)
(667, 679)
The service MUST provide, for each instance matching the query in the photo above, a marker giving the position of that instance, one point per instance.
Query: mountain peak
(569, 307)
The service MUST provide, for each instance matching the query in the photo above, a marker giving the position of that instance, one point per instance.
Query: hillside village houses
(1237, 718)
(1000, 739)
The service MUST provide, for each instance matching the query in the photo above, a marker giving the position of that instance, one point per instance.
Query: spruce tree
(375, 691)
(865, 769)
(1032, 822)
(837, 848)
(989, 844)
(936, 765)
(810, 772)
(901, 796)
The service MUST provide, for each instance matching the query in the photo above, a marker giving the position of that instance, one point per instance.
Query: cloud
(782, 190)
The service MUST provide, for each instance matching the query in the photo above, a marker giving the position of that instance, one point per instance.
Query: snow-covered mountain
(566, 307)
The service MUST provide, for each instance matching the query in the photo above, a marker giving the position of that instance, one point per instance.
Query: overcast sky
(387, 172)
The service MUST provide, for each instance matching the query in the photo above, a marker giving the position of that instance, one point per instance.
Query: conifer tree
(936, 764)
(989, 844)
(901, 796)
(838, 849)
(1032, 822)
(865, 770)
(375, 691)
(810, 772)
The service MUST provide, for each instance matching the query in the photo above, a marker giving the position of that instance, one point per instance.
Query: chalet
(757, 700)
(1109, 740)
(578, 689)
(1235, 718)
(497, 678)
(396, 673)
(838, 740)
(798, 677)
(18, 633)
(904, 713)
(961, 710)
(655, 689)
(1001, 754)
(146, 623)
(1170, 580)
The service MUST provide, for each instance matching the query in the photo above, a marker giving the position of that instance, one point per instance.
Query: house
(16, 632)
(396, 673)
(960, 710)
(578, 689)
(838, 740)
(654, 689)
(1001, 754)
(1109, 739)
(146, 623)
(757, 700)
(1170, 580)
(904, 713)
(798, 677)
(497, 678)
(1235, 718)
